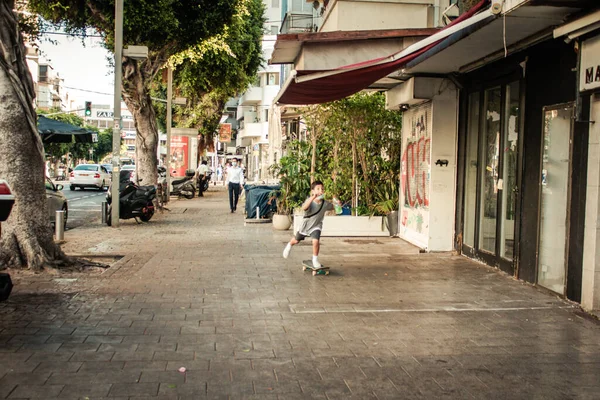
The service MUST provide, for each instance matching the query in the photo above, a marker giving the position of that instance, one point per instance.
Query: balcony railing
(294, 22)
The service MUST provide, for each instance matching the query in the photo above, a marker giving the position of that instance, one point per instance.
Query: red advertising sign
(225, 132)
(179, 154)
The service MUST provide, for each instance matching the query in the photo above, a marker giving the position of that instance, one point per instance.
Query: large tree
(215, 70)
(167, 27)
(27, 236)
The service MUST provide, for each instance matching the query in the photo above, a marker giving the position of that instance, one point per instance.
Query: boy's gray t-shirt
(315, 222)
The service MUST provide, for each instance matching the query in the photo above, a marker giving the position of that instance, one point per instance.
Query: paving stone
(247, 324)
(83, 390)
(134, 389)
(26, 391)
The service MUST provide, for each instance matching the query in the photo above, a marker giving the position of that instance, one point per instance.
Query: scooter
(134, 201)
(185, 187)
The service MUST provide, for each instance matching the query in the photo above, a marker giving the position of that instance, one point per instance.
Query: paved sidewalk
(198, 289)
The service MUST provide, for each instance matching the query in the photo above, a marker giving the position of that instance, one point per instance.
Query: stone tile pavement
(197, 289)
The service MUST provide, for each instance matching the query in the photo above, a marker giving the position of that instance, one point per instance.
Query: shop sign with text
(590, 64)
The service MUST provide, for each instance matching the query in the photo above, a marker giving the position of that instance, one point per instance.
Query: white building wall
(443, 178)
(590, 291)
(429, 134)
(355, 16)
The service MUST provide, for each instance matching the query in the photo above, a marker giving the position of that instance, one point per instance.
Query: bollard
(257, 212)
(59, 225)
(104, 211)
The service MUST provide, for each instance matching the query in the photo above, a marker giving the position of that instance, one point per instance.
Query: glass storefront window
(471, 170)
(489, 173)
(510, 147)
(554, 198)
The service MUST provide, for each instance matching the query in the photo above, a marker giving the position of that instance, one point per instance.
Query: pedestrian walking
(201, 174)
(219, 173)
(235, 183)
(315, 208)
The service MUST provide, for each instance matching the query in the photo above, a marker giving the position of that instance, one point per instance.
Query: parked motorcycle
(134, 201)
(186, 186)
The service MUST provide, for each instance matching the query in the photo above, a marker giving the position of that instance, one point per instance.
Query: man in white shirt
(201, 174)
(235, 183)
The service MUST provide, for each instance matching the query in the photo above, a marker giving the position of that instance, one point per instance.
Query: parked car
(89, 175)
(131, 169)
(56, 201)
(108, 167)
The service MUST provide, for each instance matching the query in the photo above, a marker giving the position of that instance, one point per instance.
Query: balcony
(295, 22)
(255, 129)
(252, 96)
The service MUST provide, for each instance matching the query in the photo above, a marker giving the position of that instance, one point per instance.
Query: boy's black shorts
(316, 234)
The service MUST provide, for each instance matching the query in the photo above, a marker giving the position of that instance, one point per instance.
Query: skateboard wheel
(314, 273)
(303, 268)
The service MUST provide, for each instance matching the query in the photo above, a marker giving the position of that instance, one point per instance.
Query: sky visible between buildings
(84, 67)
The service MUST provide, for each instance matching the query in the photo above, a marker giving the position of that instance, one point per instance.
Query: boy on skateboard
(315, 208)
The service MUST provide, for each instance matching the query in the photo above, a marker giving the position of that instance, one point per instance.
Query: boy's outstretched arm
(307, 202)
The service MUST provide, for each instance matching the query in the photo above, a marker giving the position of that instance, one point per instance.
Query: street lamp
(117, 112)
(137, 53)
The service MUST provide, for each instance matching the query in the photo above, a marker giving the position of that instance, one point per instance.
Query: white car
(56, 201)
(89, 175)
(130, 168)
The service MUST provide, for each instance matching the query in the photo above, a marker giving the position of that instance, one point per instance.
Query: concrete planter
(282, 222)
(347, 225)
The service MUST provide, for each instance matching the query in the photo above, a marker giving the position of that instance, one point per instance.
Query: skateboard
(308, 265)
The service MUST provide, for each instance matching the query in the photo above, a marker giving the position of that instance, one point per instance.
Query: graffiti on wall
(416, 173)
(416, 162)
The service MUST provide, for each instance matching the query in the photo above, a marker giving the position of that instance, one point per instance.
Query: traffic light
(88, 109)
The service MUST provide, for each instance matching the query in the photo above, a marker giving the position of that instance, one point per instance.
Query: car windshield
(128, 168)
(86, 168)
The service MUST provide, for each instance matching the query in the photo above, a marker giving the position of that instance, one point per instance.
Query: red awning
(315, 87)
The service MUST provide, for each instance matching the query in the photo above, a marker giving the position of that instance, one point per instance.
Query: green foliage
(293, 171)
(162, 25)
(363, 121)
(214, 70)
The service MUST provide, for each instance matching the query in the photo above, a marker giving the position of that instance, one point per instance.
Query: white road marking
(444, 309)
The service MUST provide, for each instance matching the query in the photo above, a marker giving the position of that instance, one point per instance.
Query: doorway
(492, 178)
(555, 189)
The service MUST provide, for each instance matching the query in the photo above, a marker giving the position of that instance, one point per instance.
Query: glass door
(554, 197)
(492, 174)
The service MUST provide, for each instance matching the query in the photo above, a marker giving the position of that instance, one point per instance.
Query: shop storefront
(522, 168)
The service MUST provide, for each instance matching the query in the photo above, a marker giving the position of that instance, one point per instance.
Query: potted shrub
(282, 220)
(387, 204)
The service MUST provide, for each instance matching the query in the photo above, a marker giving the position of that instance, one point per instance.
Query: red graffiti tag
(416, 162)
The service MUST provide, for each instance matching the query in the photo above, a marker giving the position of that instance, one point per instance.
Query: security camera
(404, 107)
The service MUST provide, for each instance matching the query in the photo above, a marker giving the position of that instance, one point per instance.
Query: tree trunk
(313, 161)
(336, 165)
(26, 236)
(139, 103)
(354, 175)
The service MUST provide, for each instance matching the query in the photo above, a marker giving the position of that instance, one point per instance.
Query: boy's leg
(316, 244)
(288, 247)
(315, 258)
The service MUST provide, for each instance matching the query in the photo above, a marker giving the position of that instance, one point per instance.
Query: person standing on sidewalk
(235, 183)
(201, 173)
(312, 224)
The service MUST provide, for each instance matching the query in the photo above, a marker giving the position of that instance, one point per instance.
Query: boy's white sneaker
(286, 251)
(316, 264)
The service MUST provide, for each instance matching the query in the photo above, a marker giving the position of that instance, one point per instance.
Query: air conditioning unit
(450, 14)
